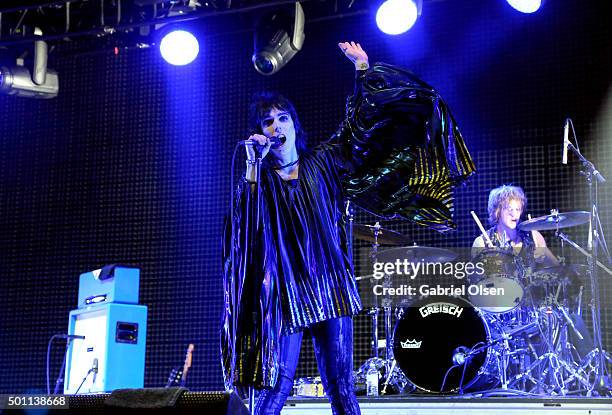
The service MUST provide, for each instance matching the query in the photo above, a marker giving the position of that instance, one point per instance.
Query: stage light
(278, 37)
(16, 80)
(41, 82)
(526, 6)
(179, 47)
(397, 16)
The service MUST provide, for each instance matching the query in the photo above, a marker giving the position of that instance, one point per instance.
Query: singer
(294, 273)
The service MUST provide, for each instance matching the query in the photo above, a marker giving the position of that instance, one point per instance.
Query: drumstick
(532, 232)
(485, 235)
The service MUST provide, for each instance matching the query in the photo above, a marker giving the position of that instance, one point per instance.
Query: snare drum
(440, 343)
(502, 274)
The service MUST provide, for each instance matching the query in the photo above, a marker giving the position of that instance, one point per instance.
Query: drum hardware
(554, 371)
(505, 351)
(580, 268)
(566, 270)
(373, 313)
(502, 270)
(595, 361)
(529, 328)
(382, 236)
(601, 378)
(555, 221)
(416, 253)
(376, 234)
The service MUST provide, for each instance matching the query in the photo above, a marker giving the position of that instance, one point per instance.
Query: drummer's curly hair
(261, 105)
(502, 195)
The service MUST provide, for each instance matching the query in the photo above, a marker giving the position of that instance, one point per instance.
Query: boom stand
(596, 359)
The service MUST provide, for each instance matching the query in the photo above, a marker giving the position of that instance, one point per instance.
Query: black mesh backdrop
(131, 162)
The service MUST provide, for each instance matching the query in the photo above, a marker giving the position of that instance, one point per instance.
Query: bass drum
(432, 339)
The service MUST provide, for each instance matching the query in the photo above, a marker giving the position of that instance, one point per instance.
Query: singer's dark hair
(261, 105)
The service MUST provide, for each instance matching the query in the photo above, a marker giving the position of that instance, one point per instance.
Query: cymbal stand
(374, 310)
(565, 349)
(393, 375)
(598, 357)
(373, 313)
(550, 372)
(545, 371)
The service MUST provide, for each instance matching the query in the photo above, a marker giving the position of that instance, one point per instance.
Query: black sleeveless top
(525, 254)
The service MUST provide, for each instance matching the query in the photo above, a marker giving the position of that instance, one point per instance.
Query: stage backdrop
(131, 162)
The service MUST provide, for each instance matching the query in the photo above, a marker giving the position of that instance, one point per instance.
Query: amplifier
(111, 284)
(112, 355)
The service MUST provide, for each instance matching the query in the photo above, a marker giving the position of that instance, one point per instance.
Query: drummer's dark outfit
(526, 254)
(398, 153)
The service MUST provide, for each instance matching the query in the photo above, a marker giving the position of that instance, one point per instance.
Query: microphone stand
(597, 356)
(60, 377)
(252, 238)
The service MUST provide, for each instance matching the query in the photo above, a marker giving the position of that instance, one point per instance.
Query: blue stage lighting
(179, 47)
(396, 16)
(525, 6)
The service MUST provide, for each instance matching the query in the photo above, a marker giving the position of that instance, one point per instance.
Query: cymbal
(385, 236)
(416, 253)
(552, 222)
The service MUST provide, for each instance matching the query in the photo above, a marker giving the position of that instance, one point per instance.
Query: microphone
(460, 355)
(277, 141)
(71, 336)
(566, 141)
(94, 370)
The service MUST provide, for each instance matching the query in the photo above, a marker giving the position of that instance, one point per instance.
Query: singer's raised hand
(262, 140)
(356, 54)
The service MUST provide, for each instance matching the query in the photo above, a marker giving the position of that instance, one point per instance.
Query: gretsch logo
(446, 308)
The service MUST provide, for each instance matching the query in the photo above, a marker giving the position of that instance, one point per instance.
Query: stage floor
(418, 405)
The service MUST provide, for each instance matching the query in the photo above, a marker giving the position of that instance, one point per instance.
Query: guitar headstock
(187, 364)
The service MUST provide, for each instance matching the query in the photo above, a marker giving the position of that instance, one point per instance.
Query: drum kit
(534, 342)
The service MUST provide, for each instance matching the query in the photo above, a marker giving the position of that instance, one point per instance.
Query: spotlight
(40, 83)
(526, 6)
(398, 16)
(17, 80)
(278, 37)
(179, 47)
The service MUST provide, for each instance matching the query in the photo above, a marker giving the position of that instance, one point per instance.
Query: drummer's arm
(542, 253)
(477, 246)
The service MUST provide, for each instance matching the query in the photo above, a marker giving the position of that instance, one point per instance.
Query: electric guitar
(179, 377)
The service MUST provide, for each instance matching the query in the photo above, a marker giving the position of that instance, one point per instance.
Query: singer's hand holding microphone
(263, 143)
(258, 143)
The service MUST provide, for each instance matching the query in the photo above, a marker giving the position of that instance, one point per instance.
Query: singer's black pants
(333, 346)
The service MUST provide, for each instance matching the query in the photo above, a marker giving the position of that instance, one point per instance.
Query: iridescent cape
(398, 153)
(406, 150)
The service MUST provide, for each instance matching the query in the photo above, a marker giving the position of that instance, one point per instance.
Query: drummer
(506, 206)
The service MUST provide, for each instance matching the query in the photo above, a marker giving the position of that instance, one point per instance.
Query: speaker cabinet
(114, 344)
